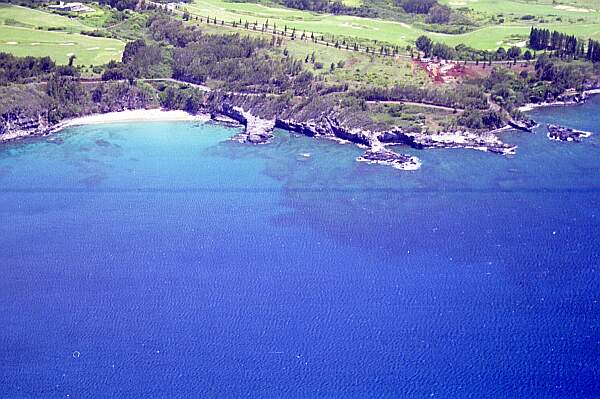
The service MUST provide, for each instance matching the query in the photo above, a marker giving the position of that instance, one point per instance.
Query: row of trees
(564, 45)
(593, 52)
(543, 39)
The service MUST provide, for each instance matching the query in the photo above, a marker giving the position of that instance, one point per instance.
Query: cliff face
(27, 110)
(256, 130)
(17, 125)
(259, 126)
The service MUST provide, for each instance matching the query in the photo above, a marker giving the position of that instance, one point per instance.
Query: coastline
(136, 115)
(258, 130)
(532, 106)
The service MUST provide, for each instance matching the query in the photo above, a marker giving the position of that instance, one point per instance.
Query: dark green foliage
(444, 51)
(441, 50)
(173, 31)
(17, 69)
(417, 6)
(463, 96)
(476, 119)
(188, 99)
(424, 44)
(439, 14)
(68, 95)
(139, 61)
(514, 52)
(329, 6)
(120, 4)
(552, 77)
(240, 62)
(131, 49)
(593, 51)
(24, 100)
(562, 44)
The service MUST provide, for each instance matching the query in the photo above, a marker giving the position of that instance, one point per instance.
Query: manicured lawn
(26, 34)
(549, 10)
(59, 45)
(28, 17)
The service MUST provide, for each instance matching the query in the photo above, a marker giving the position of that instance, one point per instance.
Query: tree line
(564, 45)
(463, 52)
(18, 69)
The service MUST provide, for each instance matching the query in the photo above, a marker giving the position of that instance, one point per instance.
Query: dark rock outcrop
(561, 133)
(384, 156)
(572, 97)
(399, 137)
(310, 129)
(256, 130)
(525, 125)
(459, 139)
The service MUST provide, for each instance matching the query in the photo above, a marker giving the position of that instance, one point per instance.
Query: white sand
(138, 115)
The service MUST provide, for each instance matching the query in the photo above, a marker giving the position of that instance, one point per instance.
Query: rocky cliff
(259, 125)
(18, 125)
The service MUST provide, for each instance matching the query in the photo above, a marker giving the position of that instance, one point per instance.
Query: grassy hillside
(355, 69)
(487, 37)
(25, 31)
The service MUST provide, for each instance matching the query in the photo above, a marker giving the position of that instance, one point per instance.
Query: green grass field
(366, 29)
(565, 11)
(23, 31)
(36, 19)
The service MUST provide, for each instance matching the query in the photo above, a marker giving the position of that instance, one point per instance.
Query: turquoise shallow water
(159, 259)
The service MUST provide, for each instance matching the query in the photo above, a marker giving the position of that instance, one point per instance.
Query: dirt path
(417, 104)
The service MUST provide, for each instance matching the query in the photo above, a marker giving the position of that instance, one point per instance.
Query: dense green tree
(424, 44)
(417, 6)
(439, 14)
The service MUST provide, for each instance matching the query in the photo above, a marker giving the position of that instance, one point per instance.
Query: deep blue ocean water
(161, 260)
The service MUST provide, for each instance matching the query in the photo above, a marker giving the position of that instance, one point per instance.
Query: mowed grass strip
(368, 29)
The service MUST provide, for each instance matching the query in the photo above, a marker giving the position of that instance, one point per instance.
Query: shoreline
(533, 106)
(136, 115)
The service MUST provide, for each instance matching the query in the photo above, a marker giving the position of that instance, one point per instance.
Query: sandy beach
(137, 115)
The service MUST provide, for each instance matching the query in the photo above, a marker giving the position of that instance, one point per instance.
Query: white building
(71, 7)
